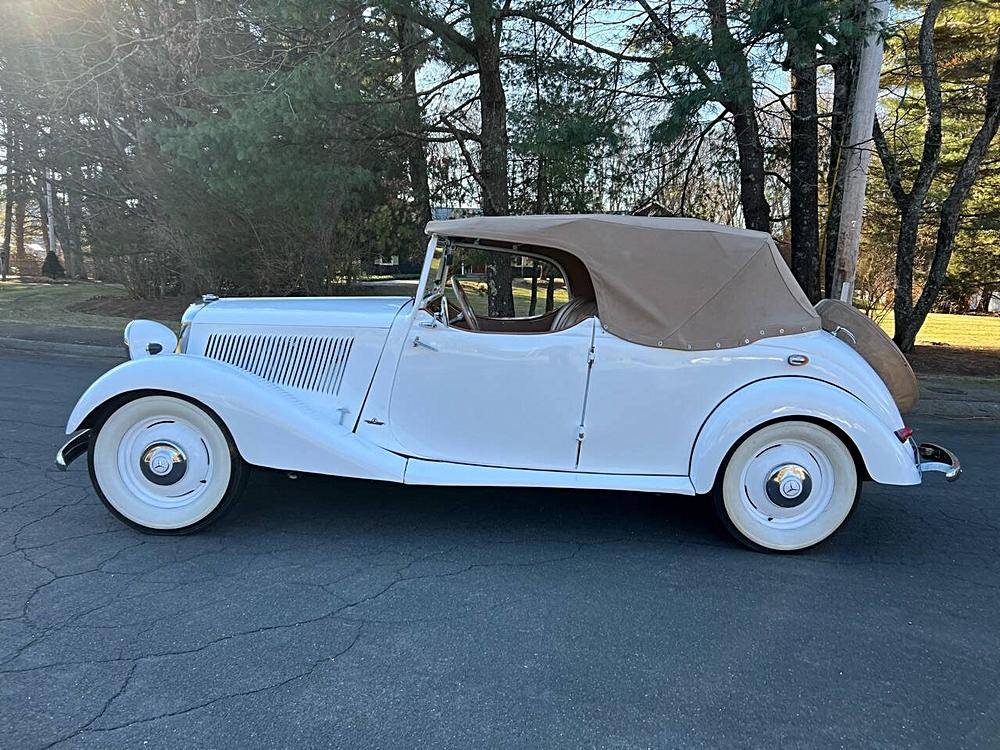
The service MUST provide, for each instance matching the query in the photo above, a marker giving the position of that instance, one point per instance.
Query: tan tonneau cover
(675, 283)
(878, 349)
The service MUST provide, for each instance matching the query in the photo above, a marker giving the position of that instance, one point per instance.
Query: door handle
(424, 344)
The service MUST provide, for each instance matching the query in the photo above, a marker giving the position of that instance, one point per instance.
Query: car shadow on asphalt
(274, 501)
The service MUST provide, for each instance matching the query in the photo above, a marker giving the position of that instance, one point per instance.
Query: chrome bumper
(74, 448)
(933, 457)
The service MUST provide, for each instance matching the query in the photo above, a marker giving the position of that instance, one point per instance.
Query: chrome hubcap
(163, 463)
(788, 485)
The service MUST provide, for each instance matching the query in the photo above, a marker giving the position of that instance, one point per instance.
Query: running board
(420, 471)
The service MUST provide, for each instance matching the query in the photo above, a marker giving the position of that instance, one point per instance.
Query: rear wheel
(787, 487)
(164, 465)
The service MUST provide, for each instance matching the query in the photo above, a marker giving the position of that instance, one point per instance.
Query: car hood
(354, 312)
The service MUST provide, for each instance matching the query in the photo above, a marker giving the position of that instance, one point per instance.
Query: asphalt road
(334, 613)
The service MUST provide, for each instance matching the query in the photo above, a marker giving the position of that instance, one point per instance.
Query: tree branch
(437, 26)
(530, 15)
(890, 167)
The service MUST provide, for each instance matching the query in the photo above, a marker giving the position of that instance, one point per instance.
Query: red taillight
(904, 434)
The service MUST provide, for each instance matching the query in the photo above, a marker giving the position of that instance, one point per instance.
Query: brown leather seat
(573, 312)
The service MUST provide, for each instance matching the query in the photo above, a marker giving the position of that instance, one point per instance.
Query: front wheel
(164, 465)
(787, 487)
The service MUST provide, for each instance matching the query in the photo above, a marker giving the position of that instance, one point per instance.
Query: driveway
(333, 613)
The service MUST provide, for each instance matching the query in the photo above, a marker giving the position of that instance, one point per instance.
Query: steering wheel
(463, 302)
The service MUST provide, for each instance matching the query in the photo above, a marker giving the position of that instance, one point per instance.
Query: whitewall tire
(165, 465)
(787, 486)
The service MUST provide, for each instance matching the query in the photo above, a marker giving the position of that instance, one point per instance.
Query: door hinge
(580, 435)
(591, 356)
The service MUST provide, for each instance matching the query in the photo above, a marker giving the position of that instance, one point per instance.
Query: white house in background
(992, 305)
(443, 213)
(34, 251)
(29, 264)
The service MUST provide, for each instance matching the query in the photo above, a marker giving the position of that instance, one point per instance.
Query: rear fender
(270, 426)
(885, 458)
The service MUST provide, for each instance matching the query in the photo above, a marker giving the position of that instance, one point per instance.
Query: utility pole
(858, 154)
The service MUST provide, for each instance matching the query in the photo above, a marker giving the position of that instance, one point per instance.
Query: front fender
(887, 459)
(270, 426)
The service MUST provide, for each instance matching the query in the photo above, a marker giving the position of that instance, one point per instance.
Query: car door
(492, 399)
(646, 405)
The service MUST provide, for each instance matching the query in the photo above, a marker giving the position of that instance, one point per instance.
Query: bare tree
(911, 204)
(416, 149)
(483, 48)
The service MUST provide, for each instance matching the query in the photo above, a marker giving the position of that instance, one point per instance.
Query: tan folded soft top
(870, 341)
(675, 283)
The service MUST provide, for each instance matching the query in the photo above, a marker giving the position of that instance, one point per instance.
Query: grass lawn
(969, 331)
(476, 293)
(23, 302)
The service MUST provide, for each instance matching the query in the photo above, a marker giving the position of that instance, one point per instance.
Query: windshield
(437, 275)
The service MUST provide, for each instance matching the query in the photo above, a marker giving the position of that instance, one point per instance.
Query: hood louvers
(310, 363)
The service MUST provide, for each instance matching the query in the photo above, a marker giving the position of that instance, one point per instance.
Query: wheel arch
(846, 439)
(97, 414)
(876, 451)
(268, 425)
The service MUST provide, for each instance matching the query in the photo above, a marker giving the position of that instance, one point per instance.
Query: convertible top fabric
(673, 283)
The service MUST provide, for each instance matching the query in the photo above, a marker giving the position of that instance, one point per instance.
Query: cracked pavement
(336, 613)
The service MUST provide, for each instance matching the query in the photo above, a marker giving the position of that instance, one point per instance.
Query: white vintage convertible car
(651, 355)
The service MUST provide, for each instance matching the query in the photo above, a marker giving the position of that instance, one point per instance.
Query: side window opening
(496, 291)
(536, 286)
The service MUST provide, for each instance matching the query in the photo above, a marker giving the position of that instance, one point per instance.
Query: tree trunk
(908, 326)
(493, 111)
(738, 84)
(8, 220)
(756, 209)
(550, 292)
(804, 184)
(493, 146)
(335, 254)
(68, 218)
(43, 213)
(8, 215)
(416, 153)
(843, 90)
(19, 218)
(74, 219)
(533, 304)
(64, 236)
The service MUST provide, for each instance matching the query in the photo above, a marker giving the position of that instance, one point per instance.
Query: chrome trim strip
(75, 447)
(937, 459)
